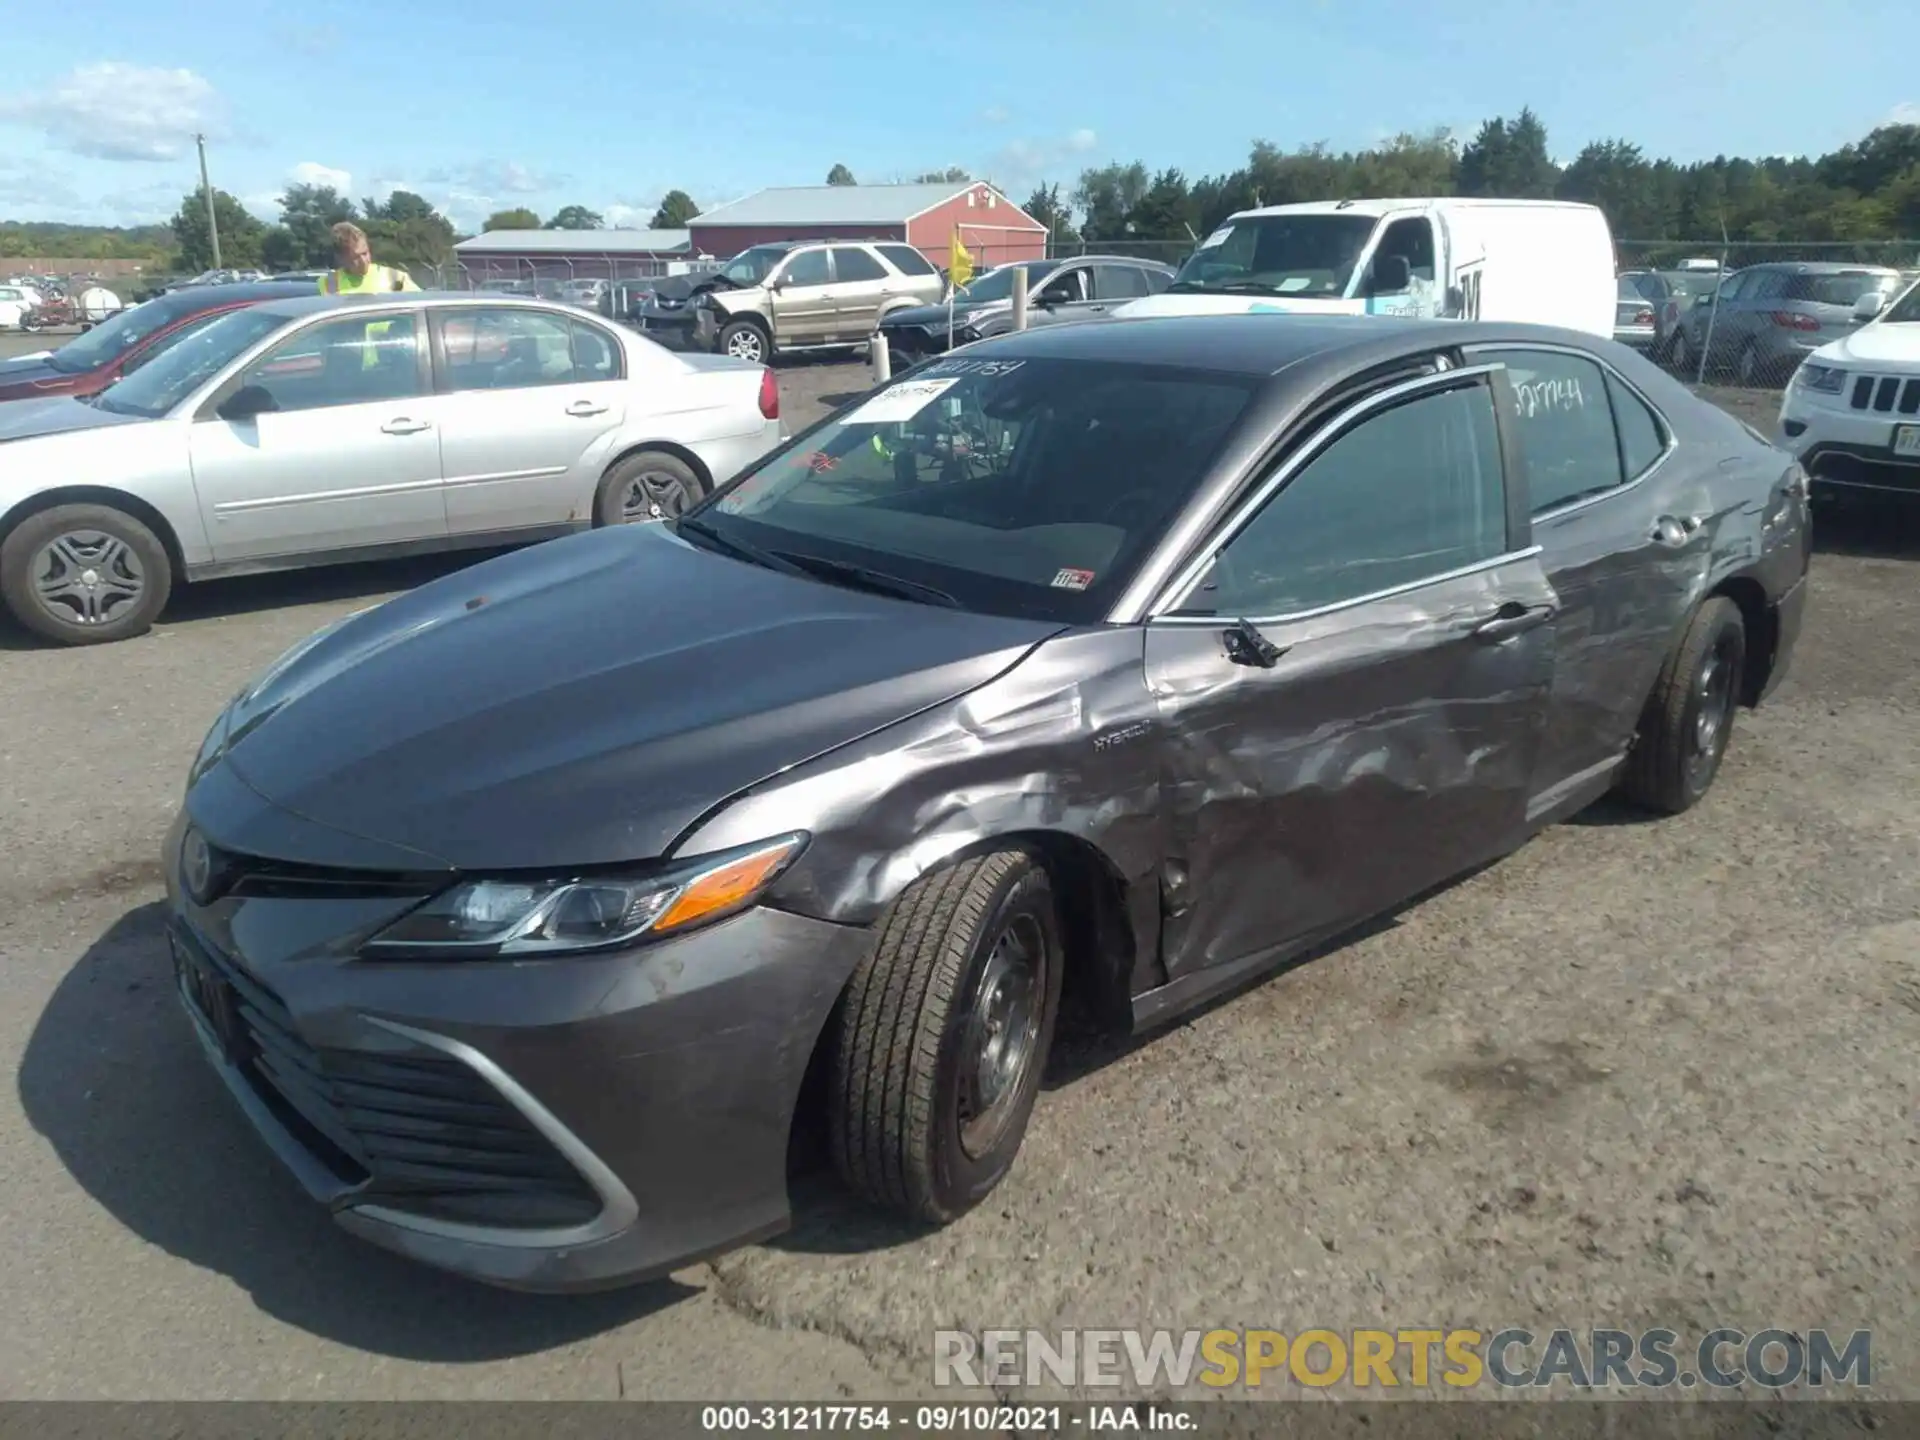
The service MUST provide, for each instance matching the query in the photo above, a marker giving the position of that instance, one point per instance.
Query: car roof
(211, 297)
(1825, 267)
(310, 303)
(1258, 345)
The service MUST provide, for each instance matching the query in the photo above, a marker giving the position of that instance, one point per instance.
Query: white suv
(1851, 415)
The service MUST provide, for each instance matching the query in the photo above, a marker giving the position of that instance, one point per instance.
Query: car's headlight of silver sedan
(1821, 379)
(485, 919)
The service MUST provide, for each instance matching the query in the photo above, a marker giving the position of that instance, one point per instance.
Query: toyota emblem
(196, 866)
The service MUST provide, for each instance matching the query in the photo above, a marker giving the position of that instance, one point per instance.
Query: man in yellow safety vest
(356, 273)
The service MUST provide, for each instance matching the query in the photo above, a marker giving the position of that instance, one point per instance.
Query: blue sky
(482, 104)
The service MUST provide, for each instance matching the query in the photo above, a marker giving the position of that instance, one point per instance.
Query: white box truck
(1545, 262)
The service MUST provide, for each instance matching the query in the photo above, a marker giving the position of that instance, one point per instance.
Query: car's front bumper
(669, 327)
(1847, 448)
(559, 1125)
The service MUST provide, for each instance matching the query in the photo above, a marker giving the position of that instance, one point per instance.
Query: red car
(89, 363)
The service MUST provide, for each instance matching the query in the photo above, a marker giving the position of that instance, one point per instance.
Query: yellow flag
(960, 266)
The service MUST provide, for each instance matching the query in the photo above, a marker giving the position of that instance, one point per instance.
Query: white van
(1546, 262)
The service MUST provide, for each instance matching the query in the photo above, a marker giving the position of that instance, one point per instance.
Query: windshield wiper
(1226, 287)
(878, 581)
(739, 549)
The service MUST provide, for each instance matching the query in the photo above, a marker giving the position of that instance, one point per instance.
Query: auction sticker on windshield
(900, 402)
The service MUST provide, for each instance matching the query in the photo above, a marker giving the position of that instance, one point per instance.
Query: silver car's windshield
(1308, 255)
(999, 285)
(155, 388)
(1905, 310)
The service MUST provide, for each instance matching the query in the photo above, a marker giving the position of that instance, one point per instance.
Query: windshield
(156, 387)
(111, 339)
(1311, 255)
(1637, 288)
(750, 267)
(1018, 487)
(1842, 289)
(1905, 310)
(999, 284)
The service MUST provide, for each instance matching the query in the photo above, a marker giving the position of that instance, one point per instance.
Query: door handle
(404, 426)
(1512, 619)
(586, 407)
(1674, 531)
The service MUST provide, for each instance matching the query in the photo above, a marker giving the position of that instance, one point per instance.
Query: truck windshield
(1303, 255)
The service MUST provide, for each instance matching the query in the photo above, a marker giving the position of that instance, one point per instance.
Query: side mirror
(247, 402)
(1391, 275)
(1869, 305)
(1047, 299)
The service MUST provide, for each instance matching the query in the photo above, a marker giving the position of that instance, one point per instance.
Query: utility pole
(206, 189)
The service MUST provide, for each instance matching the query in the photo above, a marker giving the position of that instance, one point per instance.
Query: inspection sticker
(1073, 580)
(900, 402)
(1218, 237)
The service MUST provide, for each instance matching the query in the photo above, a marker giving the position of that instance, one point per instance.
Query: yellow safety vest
(379, 278)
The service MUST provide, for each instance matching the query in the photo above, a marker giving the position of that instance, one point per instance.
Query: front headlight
(1824, 379)
(526, 919)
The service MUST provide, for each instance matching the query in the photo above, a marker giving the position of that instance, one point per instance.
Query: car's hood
(56, 415)
(1187, 303)
(585, 701)
(936, 315)
(1877, 344)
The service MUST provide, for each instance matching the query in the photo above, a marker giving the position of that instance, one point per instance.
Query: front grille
(416, 1132)
(1886, 394)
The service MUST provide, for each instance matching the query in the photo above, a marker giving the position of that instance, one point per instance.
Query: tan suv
(809, 295)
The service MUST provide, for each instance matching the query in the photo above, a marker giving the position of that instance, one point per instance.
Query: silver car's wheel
(84, 574)
(647, 487)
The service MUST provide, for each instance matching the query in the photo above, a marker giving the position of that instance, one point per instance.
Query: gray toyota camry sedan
(1122, 661)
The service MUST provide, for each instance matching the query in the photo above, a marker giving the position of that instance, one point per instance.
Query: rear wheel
(1688, 721)
(1680, 352)
(646, 486)
(944, 1034)
(85, 575)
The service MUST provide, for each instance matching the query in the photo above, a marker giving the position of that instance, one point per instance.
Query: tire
(745, 340)
(906, 1126)
(1680, 352)
(64, 545)
(646, 486)
(1688, 721)
(1752, 372)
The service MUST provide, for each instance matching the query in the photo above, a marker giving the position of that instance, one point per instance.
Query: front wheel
(85, 575)
(1688, 721)
(943, 1036)
(745, 340)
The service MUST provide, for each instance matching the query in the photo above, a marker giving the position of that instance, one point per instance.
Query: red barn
(993, 229)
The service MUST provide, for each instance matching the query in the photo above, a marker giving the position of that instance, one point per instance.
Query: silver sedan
(321, 429)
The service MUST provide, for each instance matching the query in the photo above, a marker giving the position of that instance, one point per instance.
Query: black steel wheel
(943, 1035)
(1688, 722)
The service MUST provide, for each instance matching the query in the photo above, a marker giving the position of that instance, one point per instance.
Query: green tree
(401, 205)
(1165, 211)
(953, 174)
(241, 234)
(408, 231)
(1106, 196)
(1509, 159)
(840, 175)
(676, 209)
(308, 213)
(1046, 206)
(518, 218)
(576, 217)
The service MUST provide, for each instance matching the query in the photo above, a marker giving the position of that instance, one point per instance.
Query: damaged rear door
(1352, 679)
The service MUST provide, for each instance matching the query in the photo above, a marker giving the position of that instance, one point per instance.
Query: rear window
(1842, 289)
(907, 260)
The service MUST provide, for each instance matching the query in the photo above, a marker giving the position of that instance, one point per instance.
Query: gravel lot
(1637, 1074)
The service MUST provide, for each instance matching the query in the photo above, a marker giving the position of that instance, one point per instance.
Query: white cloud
(1024, 162)
(627, 217)
(1905, 113)
(497, 177)
(309, 172)
(116, 111)
(264, 203)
